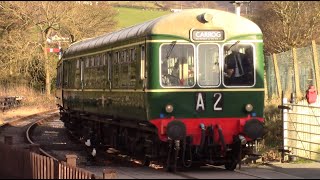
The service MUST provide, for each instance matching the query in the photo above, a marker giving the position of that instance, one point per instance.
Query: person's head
(235, 48)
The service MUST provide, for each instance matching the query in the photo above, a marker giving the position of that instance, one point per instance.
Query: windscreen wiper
(233, 45)
(170, 50)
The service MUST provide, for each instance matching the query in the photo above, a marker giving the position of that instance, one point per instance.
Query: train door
(65, 83)
(59, 91)
(143, 65)
(82, 84)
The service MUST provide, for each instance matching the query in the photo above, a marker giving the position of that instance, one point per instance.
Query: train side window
(124, 70)
(81, 70)
(115, 70)
(78, 63)
(87, 62)
(109, 62)
(58, 76)
(66, 74)
(133, 54)
(132, 68)
(177, 65)
(97, 60)
(143, 63)
(128, 55)
(104, 59)
(92, 61)
(239, 64)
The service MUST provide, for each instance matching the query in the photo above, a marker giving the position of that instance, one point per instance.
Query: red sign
(56, 50)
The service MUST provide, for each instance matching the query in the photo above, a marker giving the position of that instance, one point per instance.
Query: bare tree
(39, 20)
(287, 24)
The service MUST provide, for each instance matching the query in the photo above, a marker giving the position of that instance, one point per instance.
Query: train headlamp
(206, 17)
(169, 108)
(249, 107)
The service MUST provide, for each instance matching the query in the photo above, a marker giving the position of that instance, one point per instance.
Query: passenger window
(177, 65)
(238, 65)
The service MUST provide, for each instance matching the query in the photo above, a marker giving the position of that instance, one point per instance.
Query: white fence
(301, 129)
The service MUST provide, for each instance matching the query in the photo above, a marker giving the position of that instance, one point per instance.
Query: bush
(273, 123)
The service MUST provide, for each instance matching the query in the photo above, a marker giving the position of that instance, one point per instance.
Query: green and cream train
(185, 89)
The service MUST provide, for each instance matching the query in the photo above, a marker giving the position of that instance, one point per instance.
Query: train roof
(176, 24)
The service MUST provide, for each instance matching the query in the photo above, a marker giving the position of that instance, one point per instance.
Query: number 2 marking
(217, 102)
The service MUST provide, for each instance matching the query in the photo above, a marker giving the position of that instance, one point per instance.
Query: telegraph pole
(237, 6)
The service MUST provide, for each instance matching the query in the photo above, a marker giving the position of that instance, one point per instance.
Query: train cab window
(208, 63)
(177, 65)
(238, 64)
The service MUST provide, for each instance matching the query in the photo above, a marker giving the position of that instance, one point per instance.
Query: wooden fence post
(265, 86)
(276, 71)
(71, 160)
(316, 65)
(109, 174)
(296, 72)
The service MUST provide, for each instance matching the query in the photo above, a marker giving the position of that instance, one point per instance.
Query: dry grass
(33, 102)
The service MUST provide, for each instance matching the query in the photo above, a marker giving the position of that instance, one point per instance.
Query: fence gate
(301, 129)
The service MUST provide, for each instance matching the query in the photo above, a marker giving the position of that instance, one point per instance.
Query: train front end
(207, 103)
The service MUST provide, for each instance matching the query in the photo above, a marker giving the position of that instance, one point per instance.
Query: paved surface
(277, 170)
(273, 170)
(309, 170)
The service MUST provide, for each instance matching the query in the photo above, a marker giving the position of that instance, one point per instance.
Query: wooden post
(316, 65)
(71, 160)
(265, 86)
(276, 71)
(109, 174)
(296, 72)
(8, 140)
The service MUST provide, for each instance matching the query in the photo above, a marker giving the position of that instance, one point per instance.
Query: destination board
(207, 35)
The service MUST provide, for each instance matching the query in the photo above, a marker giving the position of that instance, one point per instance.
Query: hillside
(134, 12)
(130, 16)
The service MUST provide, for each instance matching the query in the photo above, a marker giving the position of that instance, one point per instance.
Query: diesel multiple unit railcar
(163, 90)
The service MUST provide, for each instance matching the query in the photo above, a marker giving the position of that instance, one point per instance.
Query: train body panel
(189, 104)
(185, 83)
(193, 128)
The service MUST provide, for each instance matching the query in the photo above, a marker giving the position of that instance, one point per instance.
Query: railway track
(16, 129)
(124, 166)
(55, 141)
